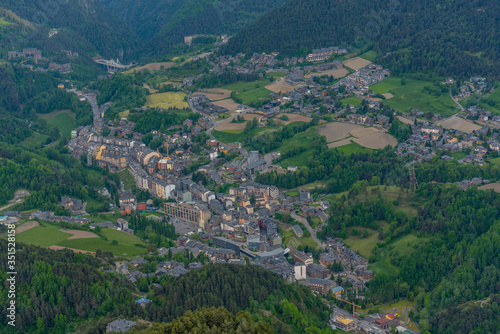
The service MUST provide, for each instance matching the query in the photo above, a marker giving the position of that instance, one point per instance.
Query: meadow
(167, 100)
(64, 121)
(48, 234)
(250, 92)
(412, 95)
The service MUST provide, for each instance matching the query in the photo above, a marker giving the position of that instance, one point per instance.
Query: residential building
(192, 213)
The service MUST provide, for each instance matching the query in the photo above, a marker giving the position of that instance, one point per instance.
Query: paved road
(456, 101)
(306, 224)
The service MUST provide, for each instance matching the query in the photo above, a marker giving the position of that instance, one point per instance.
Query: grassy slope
(302, 139)
(47, 235)
(412, 96)
(353, 100)
(127, 179)
(64, 121)
(44, 235)
(125, 245)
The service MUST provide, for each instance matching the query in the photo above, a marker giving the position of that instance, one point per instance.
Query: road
(455, 100)
(306, 224)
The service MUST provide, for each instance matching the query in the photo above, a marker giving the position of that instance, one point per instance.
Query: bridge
(112, 65)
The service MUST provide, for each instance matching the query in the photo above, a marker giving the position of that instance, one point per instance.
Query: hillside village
(207, 188)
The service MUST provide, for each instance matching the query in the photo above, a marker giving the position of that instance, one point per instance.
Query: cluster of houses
(428, 138)
(359, 81)
(323, 54)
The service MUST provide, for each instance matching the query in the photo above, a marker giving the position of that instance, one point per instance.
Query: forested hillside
(442, 255)
(164, 24)
(459, 37)
(90, 27)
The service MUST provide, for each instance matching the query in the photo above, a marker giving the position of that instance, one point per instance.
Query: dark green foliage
(153, 119)
(89, 22)
(451, 38)
(123, 91)
(163, 24)
(48, 175)
(57, 288)
(400, 130)
(339, 170)
(236, 288)
(212, 320)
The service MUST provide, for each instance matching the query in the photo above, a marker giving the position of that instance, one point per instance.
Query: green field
(64, 121)
(405, 245)
(364, 246)
(370, 55)
(353, 100)
(495, 161)
(293, 193)
(249, 92)
(300, 140)
(127, 179)
(167, 100)
(125, 245)
(47, 235)
(36, 140)
(44, 235)
(413, 96)
(458, 155)
(352, 148)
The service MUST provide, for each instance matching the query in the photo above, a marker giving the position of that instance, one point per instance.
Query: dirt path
(27, 226)
(18, 198)
(54, 247)
(77, 234)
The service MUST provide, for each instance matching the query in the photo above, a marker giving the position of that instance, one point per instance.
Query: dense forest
(48, 175)
(236, 288)
(212, 320)
(454, 260)
(457, 38)
(89, 22)
(55, 290)
(163, 24)
(125, 91)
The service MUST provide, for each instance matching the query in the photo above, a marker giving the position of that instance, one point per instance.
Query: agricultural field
(356, 63)
(167, 100)
(229, 104)
(215, 94)
(234, 136)
(336, 74)
(459, 124)
(279, 86)
(494, 186)
(292, 118)
(126, 243)
(412, 95)
(44, 235)
(47, 235)
(228, 126)
(405, 120)
(340, 134)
